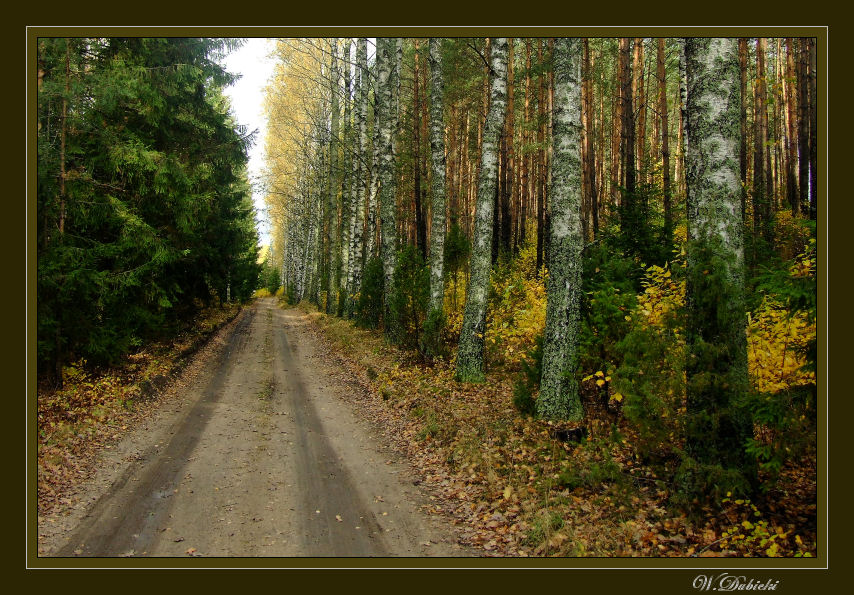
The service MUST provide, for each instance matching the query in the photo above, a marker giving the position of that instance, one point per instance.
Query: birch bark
(715, 329)
(437, 164)
(559, 388)
(332, 202)
(470, 365)
(387, 87)
(360, 187)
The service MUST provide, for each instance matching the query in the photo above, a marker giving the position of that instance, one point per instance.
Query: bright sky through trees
(251, 61)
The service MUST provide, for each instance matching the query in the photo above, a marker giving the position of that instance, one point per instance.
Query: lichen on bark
(437, 162)
(716, 427)
(559, 387)
(470, 366)
(388, 63)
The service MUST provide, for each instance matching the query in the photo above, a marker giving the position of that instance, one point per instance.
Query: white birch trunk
(380, 82)
(716, 366)
(332, 202)
(559, 388)
(387, 50)
(346, 185)
(437, 162)
(357, 210)
(470, 366)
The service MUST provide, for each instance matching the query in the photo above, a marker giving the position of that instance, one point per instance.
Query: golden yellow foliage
(518, 317)
(774, 335)
(773, 339)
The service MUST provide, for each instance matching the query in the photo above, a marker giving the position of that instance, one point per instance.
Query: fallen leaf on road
(191, 551)
(338, 518)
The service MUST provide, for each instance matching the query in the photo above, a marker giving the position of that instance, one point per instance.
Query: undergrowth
(519, 481)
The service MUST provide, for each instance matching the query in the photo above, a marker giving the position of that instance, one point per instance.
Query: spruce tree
(717, 427)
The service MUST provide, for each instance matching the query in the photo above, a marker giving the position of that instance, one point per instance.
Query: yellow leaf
(617, 397)
(507, 492)
(600, 382)
(600, 374)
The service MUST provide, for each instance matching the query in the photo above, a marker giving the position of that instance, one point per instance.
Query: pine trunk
(804, 121)
(627, 136)
(681, 141)
(589, 140)
(639, 94)
(541, 160)
(743, 148)
(813, 111)
(792, 130)
(525, 194)
(665, 144)
(616, 133)
(761, 192)
(509, 196)
(420, 223)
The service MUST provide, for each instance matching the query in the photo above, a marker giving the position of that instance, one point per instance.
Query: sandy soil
(254, 451)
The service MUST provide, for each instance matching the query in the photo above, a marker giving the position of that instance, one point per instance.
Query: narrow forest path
(252, 453)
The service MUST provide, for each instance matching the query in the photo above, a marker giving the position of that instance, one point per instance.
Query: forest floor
(254, 449)
(516, 487)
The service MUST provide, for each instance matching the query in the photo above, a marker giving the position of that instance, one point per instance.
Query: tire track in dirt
(262, 456)
(138, 507)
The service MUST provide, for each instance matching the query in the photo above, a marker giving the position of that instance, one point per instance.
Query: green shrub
(369, 305)
(269, 278)
(651, 376)
(409, 298)
(610, 283)
(456, 251)
(786, 423)
(696, 483)
(432, 339)
(529, 381)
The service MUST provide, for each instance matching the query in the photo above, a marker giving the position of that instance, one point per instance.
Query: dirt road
(254, 453)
